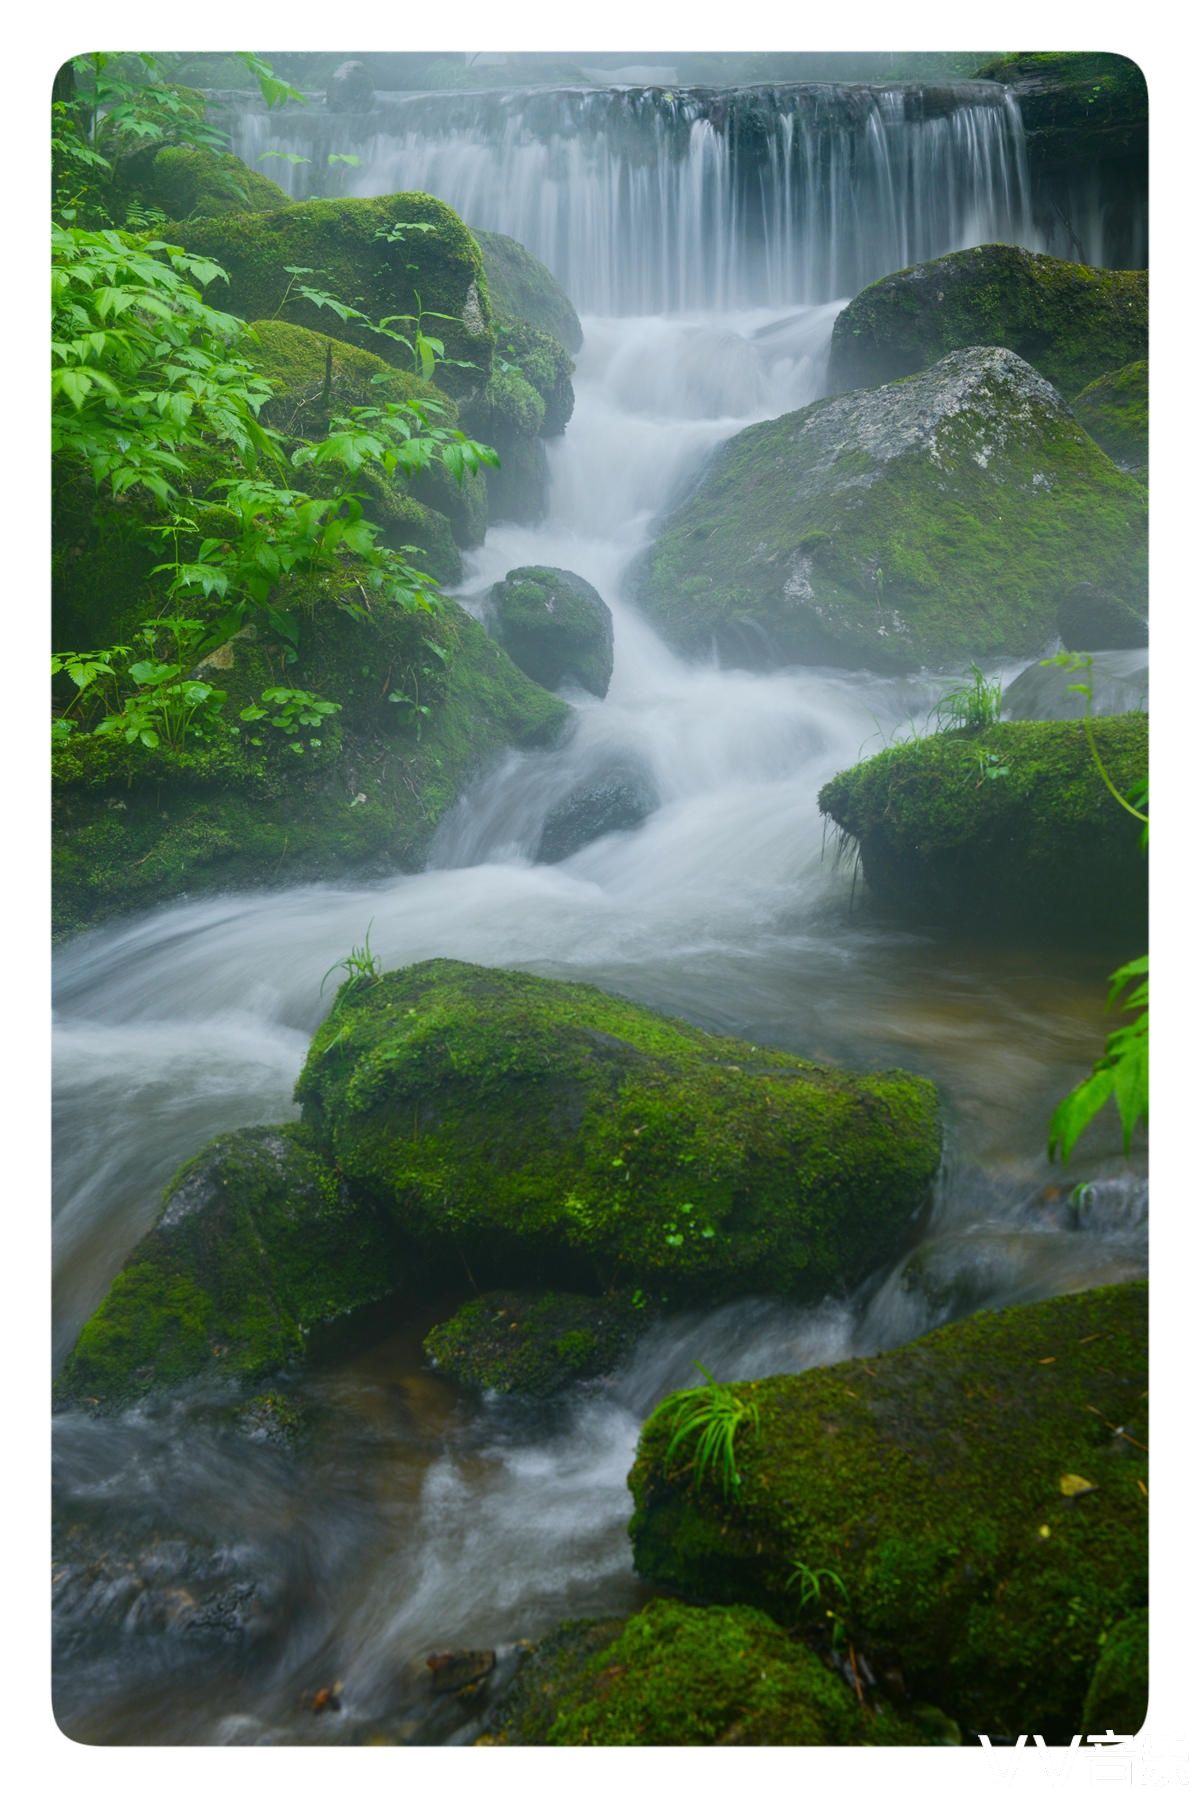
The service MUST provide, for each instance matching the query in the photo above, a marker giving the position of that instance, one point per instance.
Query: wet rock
(546, 1131)
(533, 1343)
(619, 799)
(556, 628)
(930, 1480)
(1071, 322)
(1119, 679)
(461, 1670)
(350, 88)
(1009, 828)
(1094, 617)
(934, 521)
(522, 288)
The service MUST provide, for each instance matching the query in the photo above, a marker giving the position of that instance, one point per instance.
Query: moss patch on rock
(377, 255)
(1119, 1693)
(556, 627)
(258, 1241)
(190, 182)
(532, 1343)
(133, 827)
(930, 1481)
(1071, 322)
(555, 1134)
(678, 1675)
(946, 837)
(521, 287)
(1115, 412)
(1077, 107)
(936, 520)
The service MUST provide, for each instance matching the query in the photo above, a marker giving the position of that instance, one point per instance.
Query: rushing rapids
(423, 1520)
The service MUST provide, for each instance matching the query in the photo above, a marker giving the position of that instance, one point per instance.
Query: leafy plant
(290, 710)
(707, 1420)
(972, 706)
(1122, 1073)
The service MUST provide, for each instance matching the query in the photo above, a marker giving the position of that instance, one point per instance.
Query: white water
(423, 1521)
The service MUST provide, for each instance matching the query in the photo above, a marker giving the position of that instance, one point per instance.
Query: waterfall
(644, 200)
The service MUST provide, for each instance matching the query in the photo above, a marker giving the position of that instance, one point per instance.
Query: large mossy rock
(935, 520)
(521, 287)
(1115, 411)
(979, 1493)
(556, 627)
(382, 256)
(532, 1343)
(134, 827)
(556, 1135)
(1070, 322)
(186, 181)
(679, 1675)
(1010, 828)
(258, 1241)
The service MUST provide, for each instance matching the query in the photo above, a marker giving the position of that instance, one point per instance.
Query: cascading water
(645, 201)
(414, 1519)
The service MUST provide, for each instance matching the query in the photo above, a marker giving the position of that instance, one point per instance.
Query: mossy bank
(980, 1494)
(1010, 828)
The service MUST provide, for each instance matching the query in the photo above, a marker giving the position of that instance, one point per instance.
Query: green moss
(317, 377)
(928, 1479)
(555, 626)
(545, 367)
(1043, 846)
(532, 1343)
(937, 520)
(1119, 1693)
(1071, 322)
(1077, 107)
(680, 1676)
(1115, 412)
(134, 827)
(345, 243)
(523, 289)
(195, 183)
(556, 1133)
(257, 1242)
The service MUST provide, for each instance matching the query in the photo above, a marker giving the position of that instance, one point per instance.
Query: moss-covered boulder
(1115, 411)
(387, 257)
(1010, 828)
(1091, 617)
(521, 287)
(559, 1136)
(679, 1675)
(556, 627)
(935, 520)
(190, 182)
(1078, 108)
(1070, 322)
(532, 1343)
(133, 827)
(980, 1495)
(258, 1241)
(1119, 1693)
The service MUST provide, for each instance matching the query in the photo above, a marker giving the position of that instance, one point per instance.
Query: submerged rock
(679, 1675)
(1115, 411)
(551, 1133)
(1071, 322)
(619, 799)
(533, 1343)
(936, 520)
(258, 1241)
(1119, 679)
(556, 628)
(979, 1494)
(1008, 828)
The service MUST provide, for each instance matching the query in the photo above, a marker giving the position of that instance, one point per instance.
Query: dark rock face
(933, 521)
(350, 88)
(533, 1343)
(556, 628)
(1072, 323)
(1091, 617)
(962, 1489)
(619, 799)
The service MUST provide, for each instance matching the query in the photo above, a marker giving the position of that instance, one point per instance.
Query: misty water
(208, 1579)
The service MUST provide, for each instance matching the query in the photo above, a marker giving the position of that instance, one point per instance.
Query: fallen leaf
(1073, 1485)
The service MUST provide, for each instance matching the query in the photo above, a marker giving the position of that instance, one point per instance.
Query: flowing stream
(209, 1579)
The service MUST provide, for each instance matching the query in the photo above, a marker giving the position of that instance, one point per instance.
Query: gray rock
(350, 88)
(619, 799)
(1120, 681)
(556, 628)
